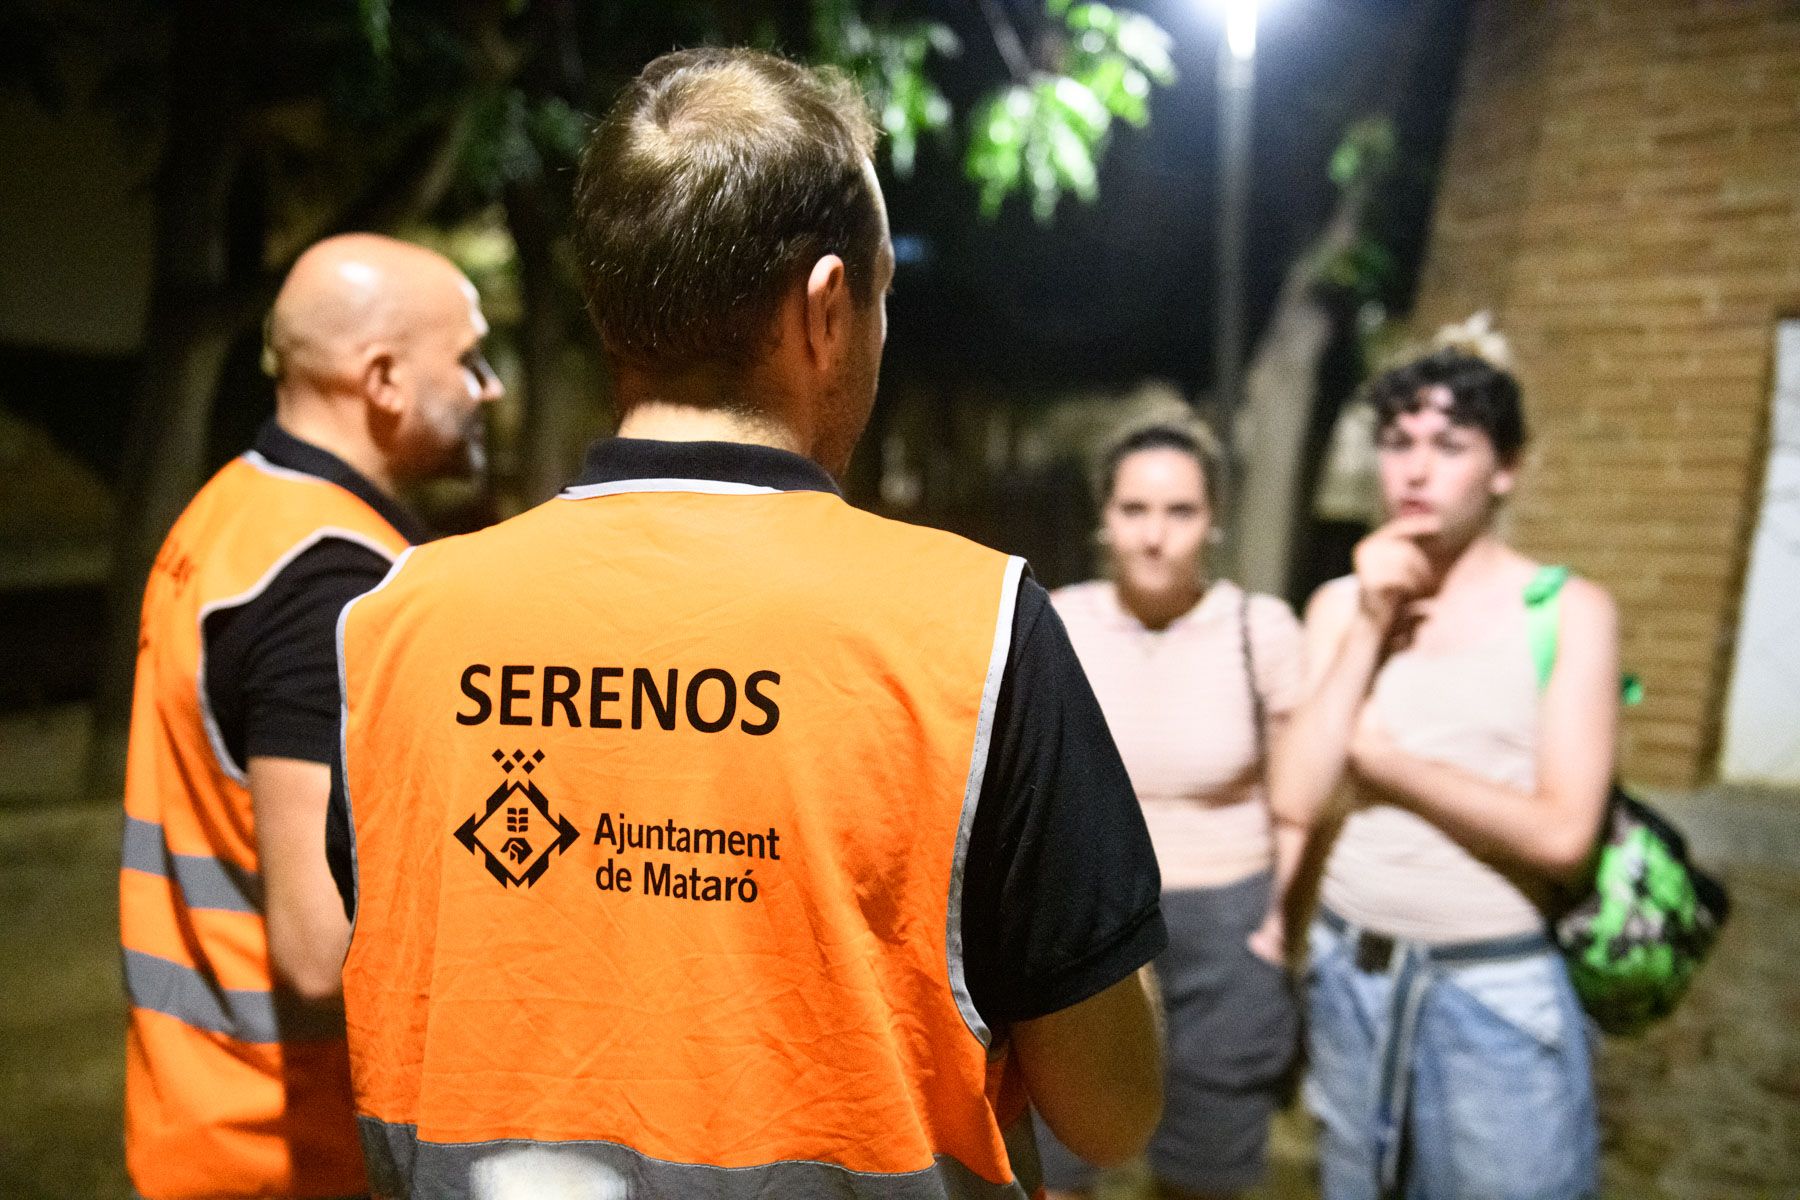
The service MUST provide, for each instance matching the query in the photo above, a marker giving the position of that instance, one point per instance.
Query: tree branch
(1007, 41)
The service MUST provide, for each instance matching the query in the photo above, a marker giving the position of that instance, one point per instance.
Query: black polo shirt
(1060, 887)
(271, 662)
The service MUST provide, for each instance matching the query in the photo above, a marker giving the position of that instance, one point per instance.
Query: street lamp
(1240, 28)
(1236, 85)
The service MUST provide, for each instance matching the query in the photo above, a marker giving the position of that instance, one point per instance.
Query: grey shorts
(1233, 1035)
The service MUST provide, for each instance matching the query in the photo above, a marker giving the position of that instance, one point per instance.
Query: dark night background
(1108, 293)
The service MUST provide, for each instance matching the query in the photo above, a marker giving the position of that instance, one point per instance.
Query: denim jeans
(1497, 1096)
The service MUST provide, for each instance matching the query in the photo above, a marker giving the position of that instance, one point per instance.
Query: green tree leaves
(376, 20)
(1045, 136)
(1118, 55)
(888, 61)
(1368, 152)
(1042, 134)
(1365, 157)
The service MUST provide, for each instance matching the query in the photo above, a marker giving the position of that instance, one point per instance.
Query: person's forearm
(307, 929)
(1094, 1070)
(306, 949)
(1290, 848)
(1270, 937)
(1543, 833)
(1317, 746)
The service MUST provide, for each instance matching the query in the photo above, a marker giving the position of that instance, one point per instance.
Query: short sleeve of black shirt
(1061, 889)
(271, 662)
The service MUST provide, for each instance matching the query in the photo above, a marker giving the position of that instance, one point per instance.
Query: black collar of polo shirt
(285, 450)
(618, 460)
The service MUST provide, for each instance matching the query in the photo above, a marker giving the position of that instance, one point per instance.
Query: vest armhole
(998, 655)
(215, 737)
(342, 769)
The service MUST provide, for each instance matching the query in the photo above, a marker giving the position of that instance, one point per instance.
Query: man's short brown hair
(716, 179)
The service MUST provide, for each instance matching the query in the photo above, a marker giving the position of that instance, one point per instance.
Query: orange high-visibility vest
(660, 795)
(231, 1087)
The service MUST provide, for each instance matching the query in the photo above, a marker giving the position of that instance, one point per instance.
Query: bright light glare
(1240, 28)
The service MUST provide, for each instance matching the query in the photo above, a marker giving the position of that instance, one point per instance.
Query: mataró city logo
(515, 833)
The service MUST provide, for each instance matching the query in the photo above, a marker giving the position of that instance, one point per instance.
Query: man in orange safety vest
(237, 1081)
(705, 835)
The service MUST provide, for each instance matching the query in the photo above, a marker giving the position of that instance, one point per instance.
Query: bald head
(374, 345)
(347, 293)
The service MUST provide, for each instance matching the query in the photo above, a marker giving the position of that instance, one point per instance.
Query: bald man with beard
(233, 934)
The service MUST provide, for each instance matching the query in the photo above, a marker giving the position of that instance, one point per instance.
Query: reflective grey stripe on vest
(705, 487)
(1022, 1152)
(248, 1016)
(205, 882)
(402, 1165)
(999, 650)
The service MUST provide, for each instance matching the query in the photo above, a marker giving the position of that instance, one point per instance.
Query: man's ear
(827, 310)
(379, 387)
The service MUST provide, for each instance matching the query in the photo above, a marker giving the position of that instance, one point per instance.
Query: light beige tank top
(1396, 873)
(1179, 708)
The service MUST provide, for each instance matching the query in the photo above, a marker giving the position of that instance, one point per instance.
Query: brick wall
(1623, 190)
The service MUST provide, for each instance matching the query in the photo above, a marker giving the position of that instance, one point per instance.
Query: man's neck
(323, 427)
(665, 422)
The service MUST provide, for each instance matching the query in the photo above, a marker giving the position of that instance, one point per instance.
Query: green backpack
(1649, 917)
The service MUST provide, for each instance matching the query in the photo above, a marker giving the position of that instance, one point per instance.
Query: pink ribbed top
(1179, 707)
(1474, 707)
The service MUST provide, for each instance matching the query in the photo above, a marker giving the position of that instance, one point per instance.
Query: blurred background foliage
(259, 126)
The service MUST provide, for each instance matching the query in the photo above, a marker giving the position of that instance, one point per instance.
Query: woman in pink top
(1196, 679)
